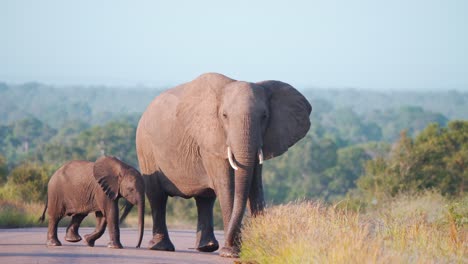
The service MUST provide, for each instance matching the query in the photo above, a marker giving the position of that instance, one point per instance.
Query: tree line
(349, 152)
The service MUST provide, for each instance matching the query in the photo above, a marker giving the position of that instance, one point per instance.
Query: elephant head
(244, 123)
(118, 179)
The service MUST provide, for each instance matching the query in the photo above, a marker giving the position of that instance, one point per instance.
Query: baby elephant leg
(52, 239)
(72, 229)
(112, 217)
(101, 224)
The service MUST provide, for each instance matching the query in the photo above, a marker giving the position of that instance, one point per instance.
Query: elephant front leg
(72, 234)
(256, 198)
(206, 241)
(223, 179)
(113, 224)
(158, 199)
(101, 224)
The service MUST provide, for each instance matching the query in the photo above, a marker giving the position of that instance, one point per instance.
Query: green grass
(424, 228)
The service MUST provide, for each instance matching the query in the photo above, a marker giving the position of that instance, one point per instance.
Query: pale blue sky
(370, 44)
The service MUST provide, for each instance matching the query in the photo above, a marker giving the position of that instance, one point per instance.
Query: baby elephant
(80, 187)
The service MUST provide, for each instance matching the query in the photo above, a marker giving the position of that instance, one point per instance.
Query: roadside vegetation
(422, 228)
(380, 178)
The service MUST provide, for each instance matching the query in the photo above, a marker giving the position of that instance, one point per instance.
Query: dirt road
(28, 246)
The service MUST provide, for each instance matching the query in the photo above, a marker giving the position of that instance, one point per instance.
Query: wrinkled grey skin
(80, 187)
(182, 141)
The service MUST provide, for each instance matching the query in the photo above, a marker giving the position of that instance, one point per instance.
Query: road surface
(27, 245)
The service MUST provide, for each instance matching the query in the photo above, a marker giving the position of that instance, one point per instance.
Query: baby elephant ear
(106, 172)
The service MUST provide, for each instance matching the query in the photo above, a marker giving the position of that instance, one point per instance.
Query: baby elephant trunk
(141, 216)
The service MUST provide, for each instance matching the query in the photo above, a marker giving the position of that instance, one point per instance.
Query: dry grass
(20, 214)
(410, 229)
(15, 214)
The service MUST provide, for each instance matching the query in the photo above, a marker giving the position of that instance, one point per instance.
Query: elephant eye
(224, 115)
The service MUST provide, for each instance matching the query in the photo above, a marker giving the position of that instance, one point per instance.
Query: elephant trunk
(242, 181)
(141, 218)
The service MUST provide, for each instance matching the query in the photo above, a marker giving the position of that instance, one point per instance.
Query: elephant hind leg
(206, 241)
(52, 239)
(72, 234)
(158, 199)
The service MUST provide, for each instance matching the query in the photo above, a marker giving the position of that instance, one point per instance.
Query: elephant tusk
(231, 161)
(260, 156)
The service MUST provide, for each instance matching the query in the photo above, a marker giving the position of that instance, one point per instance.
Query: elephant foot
(158, 243)
(229, 252)
(208, 246)
(89, 241)
(53, 243)
(72, 237)
(113, 244)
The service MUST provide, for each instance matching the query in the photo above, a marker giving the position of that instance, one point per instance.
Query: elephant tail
(42, 218)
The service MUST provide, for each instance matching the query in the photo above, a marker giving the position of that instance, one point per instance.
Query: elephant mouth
(233, 163)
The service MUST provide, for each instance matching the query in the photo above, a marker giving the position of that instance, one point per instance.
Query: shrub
(27, 182)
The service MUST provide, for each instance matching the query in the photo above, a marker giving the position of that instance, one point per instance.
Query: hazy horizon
(365, 45)
(303, 88)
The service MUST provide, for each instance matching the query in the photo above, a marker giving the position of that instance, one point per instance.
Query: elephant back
(183, 117)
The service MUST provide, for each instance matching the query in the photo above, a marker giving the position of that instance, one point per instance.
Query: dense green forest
(361, 143)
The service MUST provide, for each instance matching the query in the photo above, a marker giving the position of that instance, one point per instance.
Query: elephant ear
(107, 173)
(197, 114)
(289, 118)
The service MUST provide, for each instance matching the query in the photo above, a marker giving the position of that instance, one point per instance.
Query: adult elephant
(208, 138)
